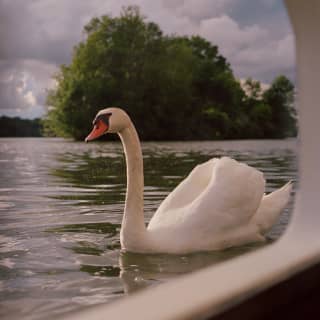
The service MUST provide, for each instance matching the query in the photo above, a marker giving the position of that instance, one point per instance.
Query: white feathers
(270, 208)
(220, 204)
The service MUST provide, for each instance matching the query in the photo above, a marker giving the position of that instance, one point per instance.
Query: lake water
(61, 205)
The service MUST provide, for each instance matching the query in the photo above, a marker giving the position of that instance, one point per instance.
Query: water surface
(61, 205)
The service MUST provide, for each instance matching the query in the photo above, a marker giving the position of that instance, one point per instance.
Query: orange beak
(98, 130)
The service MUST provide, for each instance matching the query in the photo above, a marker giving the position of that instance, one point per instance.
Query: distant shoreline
(33, 128)
(150, 141)
(18, 127)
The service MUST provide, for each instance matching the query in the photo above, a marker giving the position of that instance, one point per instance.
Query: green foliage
(17, 127)
(280, 97)
(173, 87)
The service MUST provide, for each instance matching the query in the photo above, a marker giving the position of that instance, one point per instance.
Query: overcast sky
(38, 35)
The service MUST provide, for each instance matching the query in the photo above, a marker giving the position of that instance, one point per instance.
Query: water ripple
(61, 205)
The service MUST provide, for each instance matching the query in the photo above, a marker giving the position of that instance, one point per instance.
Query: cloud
(227, 33)
(198, 10)
(266, 60)
(30, 98)
(23, 87)
(37, 36)
(45, 31)
(252, 50)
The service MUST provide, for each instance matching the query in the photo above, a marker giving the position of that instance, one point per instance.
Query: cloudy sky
(38, 35)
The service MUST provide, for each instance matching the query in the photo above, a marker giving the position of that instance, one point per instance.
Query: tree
(128, 62)
(17, 127)
(173, 87)
(257, 115)
(280, 98)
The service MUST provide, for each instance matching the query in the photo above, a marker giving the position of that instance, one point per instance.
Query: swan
(220, 204)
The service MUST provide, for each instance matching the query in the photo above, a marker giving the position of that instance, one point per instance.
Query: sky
(37, 36)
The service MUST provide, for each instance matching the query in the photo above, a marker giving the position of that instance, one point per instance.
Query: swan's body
(219, 205)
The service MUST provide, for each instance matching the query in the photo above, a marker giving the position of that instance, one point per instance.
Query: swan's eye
(102, 117)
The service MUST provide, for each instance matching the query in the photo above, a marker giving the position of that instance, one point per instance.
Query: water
(61, 205)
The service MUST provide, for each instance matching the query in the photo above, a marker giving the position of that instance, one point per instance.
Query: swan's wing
(271, 206)
(217, 196)
(188, 189)
(231, 198)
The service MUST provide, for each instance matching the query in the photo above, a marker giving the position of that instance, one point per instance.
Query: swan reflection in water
(138, 271)
(127, 272)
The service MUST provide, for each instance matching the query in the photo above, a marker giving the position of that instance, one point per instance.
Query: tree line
(173, 87)
(17, 127)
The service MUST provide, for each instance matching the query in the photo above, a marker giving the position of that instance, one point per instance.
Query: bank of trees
(17, 127)
(173, 87)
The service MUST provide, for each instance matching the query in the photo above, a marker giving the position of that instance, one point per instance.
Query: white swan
(220, 204)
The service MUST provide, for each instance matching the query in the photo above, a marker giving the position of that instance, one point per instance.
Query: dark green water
(61, 205)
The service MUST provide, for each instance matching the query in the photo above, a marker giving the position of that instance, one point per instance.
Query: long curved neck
(133, 227)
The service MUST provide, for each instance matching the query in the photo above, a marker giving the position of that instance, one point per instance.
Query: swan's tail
(271, 206)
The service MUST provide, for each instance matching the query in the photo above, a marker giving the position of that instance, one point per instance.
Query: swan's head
(111, 120)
